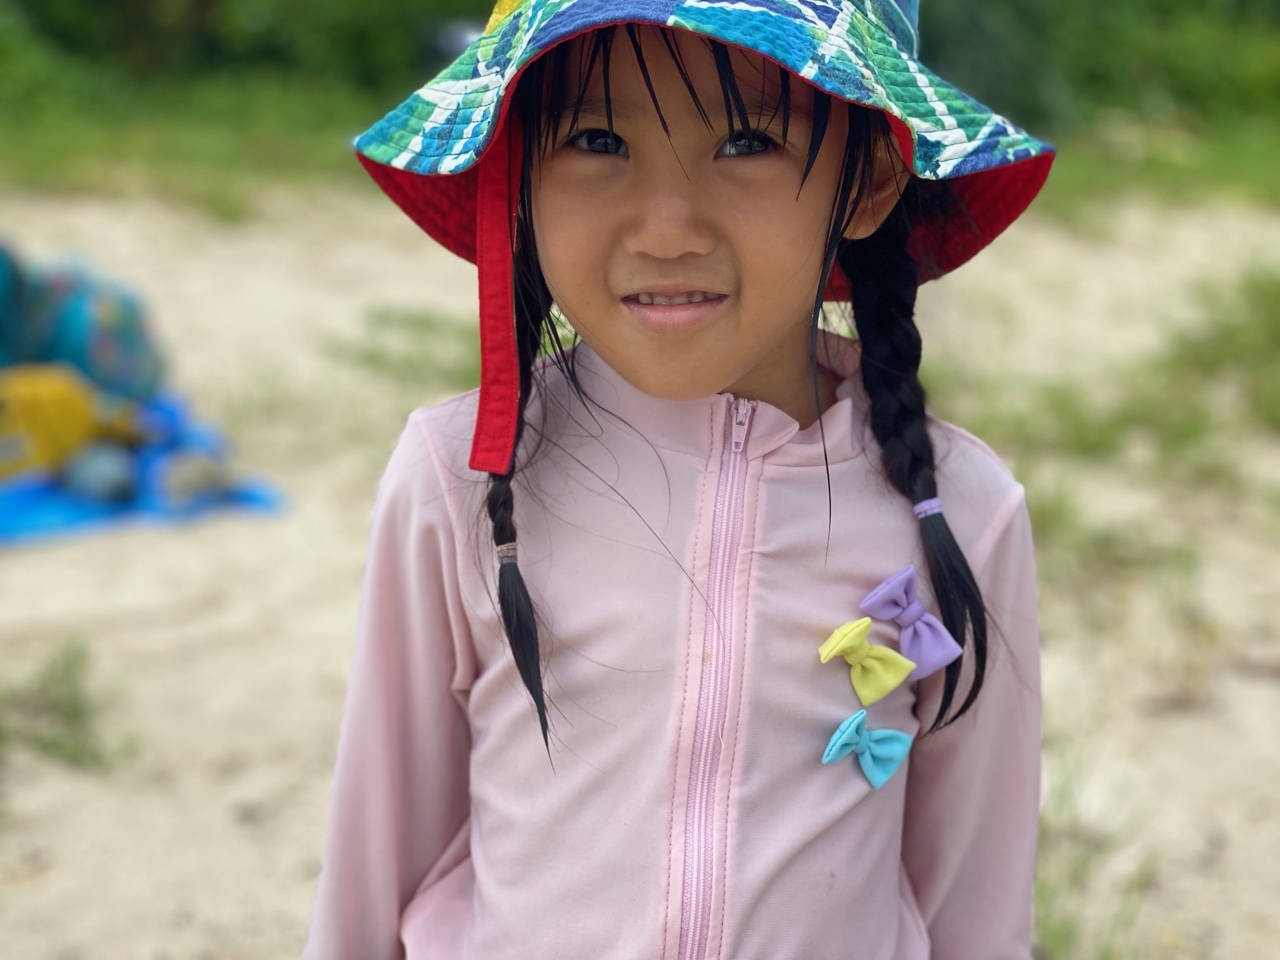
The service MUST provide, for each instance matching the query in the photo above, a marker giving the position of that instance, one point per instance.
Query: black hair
(884, 280)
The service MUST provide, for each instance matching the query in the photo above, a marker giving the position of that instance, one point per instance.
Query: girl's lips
(671, 317)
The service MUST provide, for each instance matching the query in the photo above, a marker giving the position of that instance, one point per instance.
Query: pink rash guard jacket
(687, 570)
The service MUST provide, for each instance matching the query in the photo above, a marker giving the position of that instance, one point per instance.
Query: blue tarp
(33, 509)
(38, 507)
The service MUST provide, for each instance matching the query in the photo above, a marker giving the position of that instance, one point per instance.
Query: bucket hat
(450, 155)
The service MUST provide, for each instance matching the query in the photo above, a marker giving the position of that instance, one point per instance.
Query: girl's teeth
(657, 299)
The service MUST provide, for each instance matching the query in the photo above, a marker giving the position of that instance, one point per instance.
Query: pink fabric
(452, 837)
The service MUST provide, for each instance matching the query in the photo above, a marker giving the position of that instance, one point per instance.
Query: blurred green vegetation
(371, 44)
(1074, 857)
(1174, 421)
(407, 348)
(53, 713)
(1054, 65)
(72, 123)
(1171, 413)
(197, 97)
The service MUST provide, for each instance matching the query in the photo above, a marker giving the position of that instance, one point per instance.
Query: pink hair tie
(506, 552)
(927, 508)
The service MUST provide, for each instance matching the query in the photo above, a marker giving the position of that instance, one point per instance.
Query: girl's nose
(669, 219)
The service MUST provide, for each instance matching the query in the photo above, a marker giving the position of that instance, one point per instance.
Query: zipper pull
(742, 411)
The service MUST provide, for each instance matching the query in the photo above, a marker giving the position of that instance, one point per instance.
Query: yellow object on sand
(874, 671)
(48, 412)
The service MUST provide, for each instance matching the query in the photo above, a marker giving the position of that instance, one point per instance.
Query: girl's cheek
(791, 222)
(574, 176)
(561, 205)
(572, 207)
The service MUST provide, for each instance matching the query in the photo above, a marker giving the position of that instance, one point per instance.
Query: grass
(1175, 164)
(413, 349)
(1239, 347)
(1073, 883)
(1218, 380)
(53, 713)
(1087, 559)
(211, 144)
(1173, 423)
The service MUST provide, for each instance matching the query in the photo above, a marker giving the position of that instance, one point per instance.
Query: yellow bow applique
(500, 13)
(874, 670)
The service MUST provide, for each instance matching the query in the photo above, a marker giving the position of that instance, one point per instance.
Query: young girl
(697, 637)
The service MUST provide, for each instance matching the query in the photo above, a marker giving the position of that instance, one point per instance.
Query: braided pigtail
(532, 319)
(884, 280)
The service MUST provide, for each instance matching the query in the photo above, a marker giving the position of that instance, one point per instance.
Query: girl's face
(689, 259)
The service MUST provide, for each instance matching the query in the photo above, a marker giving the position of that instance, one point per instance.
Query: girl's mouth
(673, 312)
(663, 300)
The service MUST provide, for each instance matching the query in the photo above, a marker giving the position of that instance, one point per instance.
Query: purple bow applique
(922, 638)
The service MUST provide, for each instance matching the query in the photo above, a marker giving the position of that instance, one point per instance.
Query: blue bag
(64, 314)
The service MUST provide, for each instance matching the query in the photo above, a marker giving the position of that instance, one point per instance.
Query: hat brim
(425, 153)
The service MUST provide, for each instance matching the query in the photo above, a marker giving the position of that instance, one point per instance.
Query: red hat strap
(500, 170)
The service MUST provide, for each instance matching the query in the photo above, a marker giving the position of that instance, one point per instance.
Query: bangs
(552, 94)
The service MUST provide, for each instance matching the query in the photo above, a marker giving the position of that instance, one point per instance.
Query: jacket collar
(694, 427)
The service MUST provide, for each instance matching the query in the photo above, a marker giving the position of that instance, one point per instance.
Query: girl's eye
(600, 141)
(747, 143)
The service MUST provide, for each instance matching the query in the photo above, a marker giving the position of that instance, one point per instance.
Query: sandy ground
(221, 650)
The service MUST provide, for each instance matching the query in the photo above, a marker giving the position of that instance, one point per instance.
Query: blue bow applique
(921, 636)
(880, 752)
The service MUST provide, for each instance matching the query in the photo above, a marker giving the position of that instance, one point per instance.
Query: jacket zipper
(713, 693)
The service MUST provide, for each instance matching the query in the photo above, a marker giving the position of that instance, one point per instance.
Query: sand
(220, 650)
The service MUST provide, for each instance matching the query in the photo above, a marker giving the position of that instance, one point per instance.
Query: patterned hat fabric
(430, 154)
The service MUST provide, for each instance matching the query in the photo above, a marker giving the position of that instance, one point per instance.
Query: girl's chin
(672, 388)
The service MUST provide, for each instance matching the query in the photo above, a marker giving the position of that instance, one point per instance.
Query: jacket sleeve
(973, 797)
(400, 790)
